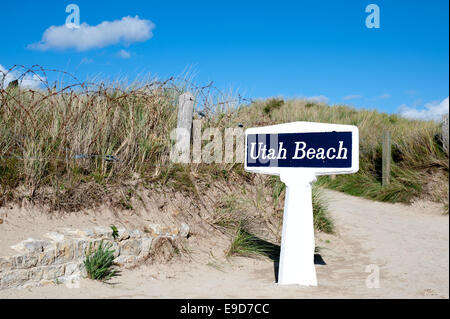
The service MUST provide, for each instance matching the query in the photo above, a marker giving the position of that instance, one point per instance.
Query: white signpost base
(297, 242)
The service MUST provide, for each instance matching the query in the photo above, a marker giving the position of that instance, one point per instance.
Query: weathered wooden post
(386, 160)
(445, 133)
(184, 126)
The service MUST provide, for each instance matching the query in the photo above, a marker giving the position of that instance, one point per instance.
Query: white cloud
(125, 31)
(384, 96)
(124, 54)
(86, 61)
(352, 97)
(432, 111)
(28, 81)
(317, 98)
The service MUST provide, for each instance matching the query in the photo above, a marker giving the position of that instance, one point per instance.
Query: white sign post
(298, 152)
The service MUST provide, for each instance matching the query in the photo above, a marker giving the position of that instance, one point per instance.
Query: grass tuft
(99, 263)
(246, 244)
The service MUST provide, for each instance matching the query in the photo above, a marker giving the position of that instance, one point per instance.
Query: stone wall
(59, 258)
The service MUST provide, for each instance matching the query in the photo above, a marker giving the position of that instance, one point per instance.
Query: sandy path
(409, 246)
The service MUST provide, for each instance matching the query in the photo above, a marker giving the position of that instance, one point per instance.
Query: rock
(155, 229)
(36, 245)
(29, 261)
(136, 233)
(18, 260)
(79, 233)
(79, 248)
(104, 232)
(165, 231)
(31, 245)
(55, 236)
(174, 231)
(146, 245)
(131, 247)
(158, 230)
(6, 264)
(86, 233)
(71, 269)
(184, 230)
(64, 252)
(36, 274)
(124, 261)
(46, 258)
(123, 234)
(14, 278)
(53, 272)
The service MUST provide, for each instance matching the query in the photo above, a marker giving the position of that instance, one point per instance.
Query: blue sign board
(319, 149)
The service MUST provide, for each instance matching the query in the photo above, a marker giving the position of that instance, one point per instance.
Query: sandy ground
(408, 246)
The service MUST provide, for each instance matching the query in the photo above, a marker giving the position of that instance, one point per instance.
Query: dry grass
(70, 145)
(418, 148)
(79, 133)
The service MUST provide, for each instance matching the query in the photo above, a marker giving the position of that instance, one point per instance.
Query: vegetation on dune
(420, 162)
(70, 147)
(235, 217)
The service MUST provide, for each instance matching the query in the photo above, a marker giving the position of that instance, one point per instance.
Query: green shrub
(272, 104)
(99, 263)
(115, 231)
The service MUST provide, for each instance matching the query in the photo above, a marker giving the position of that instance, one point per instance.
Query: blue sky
(275, 48)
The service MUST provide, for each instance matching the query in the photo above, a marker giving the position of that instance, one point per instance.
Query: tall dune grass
(420, 163)
(49, 134)
(103, 132)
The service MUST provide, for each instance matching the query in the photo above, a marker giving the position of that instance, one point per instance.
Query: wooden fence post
(445, 133)
(386, 160)
(184, 126)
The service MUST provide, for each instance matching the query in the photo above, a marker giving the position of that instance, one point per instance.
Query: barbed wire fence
(43, 84)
